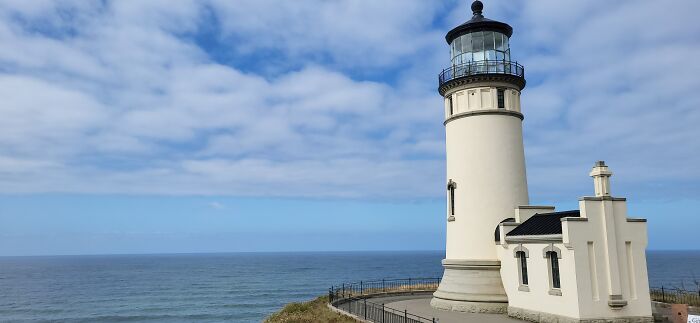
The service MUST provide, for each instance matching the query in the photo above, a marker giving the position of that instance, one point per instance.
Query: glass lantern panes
(498, 39)
(466, 48)
(479, 46)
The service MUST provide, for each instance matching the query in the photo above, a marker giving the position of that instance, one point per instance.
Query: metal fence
(379, 313)
(675, 296)
(481, 67)
(368, 287)
(352, 298)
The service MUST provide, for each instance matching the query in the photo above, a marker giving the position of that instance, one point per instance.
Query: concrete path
(421, 306)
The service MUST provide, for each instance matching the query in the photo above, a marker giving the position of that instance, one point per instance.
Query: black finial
(477, 8)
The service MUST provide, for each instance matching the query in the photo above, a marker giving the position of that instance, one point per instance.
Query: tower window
(449, 101)
(554, 269)
(451, 186)
(522, 258)
(500, 93)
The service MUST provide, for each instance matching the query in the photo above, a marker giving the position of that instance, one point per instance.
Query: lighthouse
(486, 178)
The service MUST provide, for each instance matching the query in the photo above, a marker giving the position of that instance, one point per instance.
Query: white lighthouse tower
(485, 160)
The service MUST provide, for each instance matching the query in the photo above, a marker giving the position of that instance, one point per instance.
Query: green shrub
(308, 312)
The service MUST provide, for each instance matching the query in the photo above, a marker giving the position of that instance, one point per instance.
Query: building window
(523, 267)
(451, 186)
(501, 98)
(554, 269)
(449, 101)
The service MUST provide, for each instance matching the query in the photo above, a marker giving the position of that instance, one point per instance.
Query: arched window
(553, 260)
(522, 268)
(553, 254)
(451, 186)
(521, 254)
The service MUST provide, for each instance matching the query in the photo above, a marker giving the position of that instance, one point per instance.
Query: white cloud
(134, 107)
(216, 205)
(352, 33)
(120, 97)
(617, 85)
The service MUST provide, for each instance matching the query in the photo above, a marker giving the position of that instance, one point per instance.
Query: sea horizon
(267, 252)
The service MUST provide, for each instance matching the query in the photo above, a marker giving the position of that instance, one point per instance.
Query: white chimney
(601, 179)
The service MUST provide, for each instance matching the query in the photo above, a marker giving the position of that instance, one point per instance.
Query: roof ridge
(557, 213)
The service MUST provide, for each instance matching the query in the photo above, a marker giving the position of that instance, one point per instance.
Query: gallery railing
(352, 298)
(481, 67)
(675, 295)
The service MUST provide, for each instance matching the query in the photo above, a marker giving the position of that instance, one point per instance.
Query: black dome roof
(478, 23)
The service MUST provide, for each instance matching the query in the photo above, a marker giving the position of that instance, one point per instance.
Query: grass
(308, 312)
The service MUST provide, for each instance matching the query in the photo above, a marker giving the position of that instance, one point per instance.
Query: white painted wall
(485, 157)
(599, 246)
(537, 297)
(481, 98)
(603, 254)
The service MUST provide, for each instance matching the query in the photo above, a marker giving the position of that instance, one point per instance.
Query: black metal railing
(352, 298)
(481, 67)
(372, 287)
(380, 313)
(675, 295)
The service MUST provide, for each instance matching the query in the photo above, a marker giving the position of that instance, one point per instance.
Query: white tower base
(473, 286)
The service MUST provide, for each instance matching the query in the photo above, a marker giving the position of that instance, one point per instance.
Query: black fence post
(383, 288)
(405, 315)
(383, 313)
(361, 288)
(343, 290)
(365, 309)
(663, 294)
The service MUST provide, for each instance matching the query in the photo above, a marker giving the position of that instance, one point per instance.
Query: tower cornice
(516, 80)
(485, 112)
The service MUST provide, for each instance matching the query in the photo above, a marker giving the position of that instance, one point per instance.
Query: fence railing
(379, 313)
(352, 298)
(675, 296)
(481, 67)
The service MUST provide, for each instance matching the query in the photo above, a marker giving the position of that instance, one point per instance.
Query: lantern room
(480, 46)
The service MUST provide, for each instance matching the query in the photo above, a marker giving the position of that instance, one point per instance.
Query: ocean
(236, 287)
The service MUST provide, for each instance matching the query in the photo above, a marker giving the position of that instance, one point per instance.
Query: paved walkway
(420, 305)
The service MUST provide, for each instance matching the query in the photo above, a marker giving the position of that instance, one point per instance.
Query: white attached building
(584, 265)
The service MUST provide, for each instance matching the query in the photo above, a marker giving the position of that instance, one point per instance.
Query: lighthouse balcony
(482, 70)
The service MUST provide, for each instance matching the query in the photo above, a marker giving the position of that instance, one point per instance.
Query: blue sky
(201, 126)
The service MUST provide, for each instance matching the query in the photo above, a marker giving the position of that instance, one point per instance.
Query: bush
(308, 312)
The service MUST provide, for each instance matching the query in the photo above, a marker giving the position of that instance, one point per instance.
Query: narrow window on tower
(522, 258)
(501, 98)
(451, 186)
(449, 101)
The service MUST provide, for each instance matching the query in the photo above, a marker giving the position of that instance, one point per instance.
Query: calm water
(218, 287)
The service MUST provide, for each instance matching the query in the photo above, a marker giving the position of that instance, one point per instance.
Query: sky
(253, 125)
